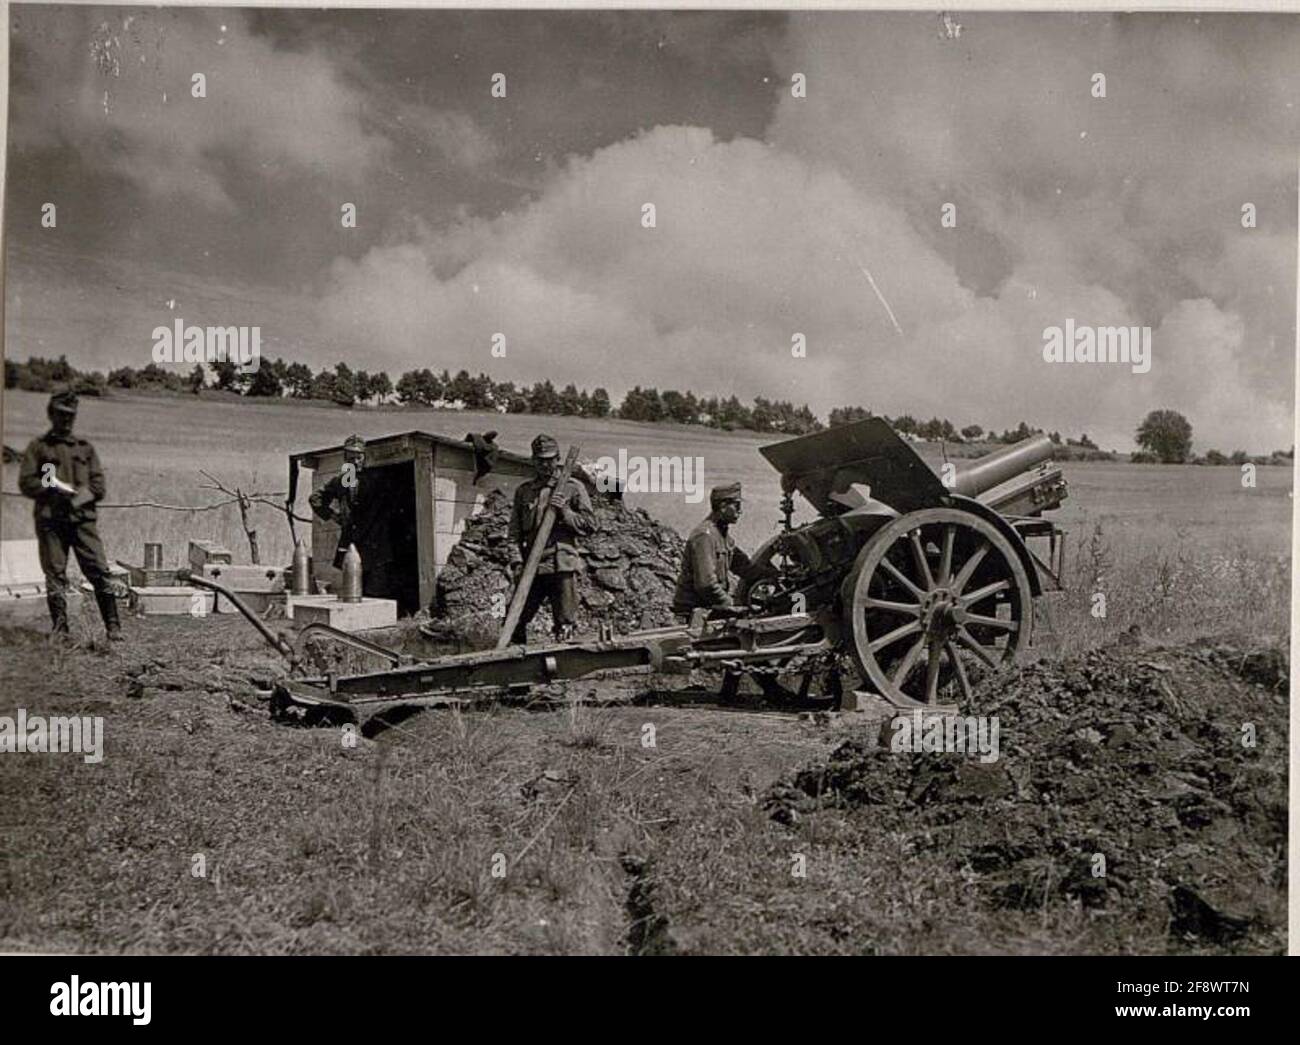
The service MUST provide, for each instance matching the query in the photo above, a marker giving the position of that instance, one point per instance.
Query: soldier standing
(555, 581)
(709, 554)
(62, 474)
(342, 497)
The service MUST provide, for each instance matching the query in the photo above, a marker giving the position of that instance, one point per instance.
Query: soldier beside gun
(555, 581)
(709, 555)
(62, 474)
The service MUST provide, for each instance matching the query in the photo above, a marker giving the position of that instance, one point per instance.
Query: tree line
(1164, 435)
(341, 384)
(941, 428)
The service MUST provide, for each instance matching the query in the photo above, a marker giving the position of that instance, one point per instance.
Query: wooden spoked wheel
(936, 599)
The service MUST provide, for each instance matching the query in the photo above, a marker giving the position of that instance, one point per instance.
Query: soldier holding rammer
(556, 579)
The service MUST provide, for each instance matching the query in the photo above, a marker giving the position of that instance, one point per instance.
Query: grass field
(605, 844)
(1178, 550)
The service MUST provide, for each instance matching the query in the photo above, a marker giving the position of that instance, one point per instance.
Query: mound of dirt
(630, 570)
(1145, 784)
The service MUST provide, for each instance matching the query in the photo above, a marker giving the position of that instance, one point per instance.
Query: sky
(777, 211)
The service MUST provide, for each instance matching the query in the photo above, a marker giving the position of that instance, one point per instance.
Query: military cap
(545, 446)
(64, 402)
(355, 443)
(721, 494)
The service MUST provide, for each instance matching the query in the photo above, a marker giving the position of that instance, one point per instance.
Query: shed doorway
(389, 535)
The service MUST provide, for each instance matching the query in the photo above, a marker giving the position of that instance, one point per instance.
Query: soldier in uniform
(709, 554)
(343, 496)
(555, 581)
(62, 474)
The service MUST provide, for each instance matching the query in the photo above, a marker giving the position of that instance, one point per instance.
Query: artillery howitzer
(926, 578)
(906, 585)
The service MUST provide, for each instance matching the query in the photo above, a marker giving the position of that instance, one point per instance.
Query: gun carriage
(909, 584)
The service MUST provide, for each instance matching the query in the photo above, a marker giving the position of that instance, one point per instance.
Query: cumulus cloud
(126, 102)
(1207, 379)
(449, 135)
(749, 246)
(1126, 208)
(755, 241)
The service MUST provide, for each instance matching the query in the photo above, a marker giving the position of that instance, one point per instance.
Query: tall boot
(108, 610)
(58, 604)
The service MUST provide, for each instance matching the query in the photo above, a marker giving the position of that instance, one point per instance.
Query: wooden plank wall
(324, 535)
(425, 522)
(457, 498)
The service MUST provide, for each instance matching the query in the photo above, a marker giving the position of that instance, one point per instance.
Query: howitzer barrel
(996, 468)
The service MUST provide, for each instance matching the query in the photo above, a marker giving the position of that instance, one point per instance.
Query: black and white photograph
(648, 482)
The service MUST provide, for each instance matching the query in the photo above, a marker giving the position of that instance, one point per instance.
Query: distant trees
(345, 385)
(571, 404)
(937, 429)
(298, 379)
(1240, 457)
(543, 399)
(381, 386)
(322, 386)
(267, 380)
(228, 377)
(42, 375)
(1167, 435)
(419, 388)
(683, 408)
(905, 424)
(279, 378)
(152, 376)
(1164, 435)
(473, 393)
(846, 415)
(1015, 435)
(941, 428)
(642, 404)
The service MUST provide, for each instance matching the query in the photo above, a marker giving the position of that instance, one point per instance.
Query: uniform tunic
(349, 506)
(555, 582)
(561, 554)
(61, 524)
(703, 580)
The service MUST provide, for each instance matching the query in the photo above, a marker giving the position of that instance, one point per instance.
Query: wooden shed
(420, 490)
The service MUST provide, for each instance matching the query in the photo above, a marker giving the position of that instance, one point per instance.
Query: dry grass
(497, 830)
(1167, 590)
(487, 831)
